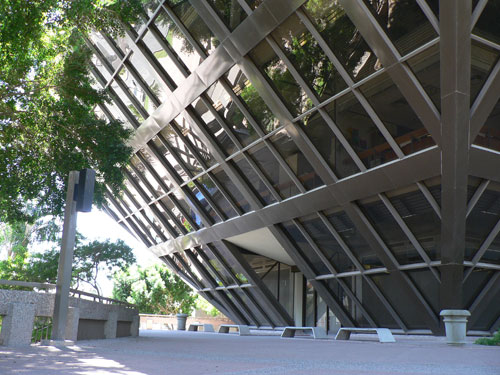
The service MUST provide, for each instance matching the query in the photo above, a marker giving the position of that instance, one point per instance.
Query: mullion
(187, 269)
(156, 212)
(187, 142)
(225, 194)
(209, 200)
(141, 210)
(170, 229)
(177, 269)
(175, 155)
(263, 178)
(138, 77)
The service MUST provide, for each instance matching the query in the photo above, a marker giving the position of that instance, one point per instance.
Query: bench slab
(243, 330)
(384, 334)
(316, 332)
(206, 327)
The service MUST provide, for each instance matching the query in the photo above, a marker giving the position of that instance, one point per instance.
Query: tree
(48, 126)
(155, 290)
(89, 259)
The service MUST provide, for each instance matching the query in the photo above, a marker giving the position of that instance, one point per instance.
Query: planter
(181, 321)
(455, 322)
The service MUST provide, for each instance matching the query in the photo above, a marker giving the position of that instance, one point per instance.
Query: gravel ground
(176, 353)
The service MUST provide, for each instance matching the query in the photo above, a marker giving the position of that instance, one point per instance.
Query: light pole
(79, 197)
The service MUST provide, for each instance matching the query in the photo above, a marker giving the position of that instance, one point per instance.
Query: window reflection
(252, 100)
(296, 160)
(253, 180)
(404, 22)
(308, 58)
(343, 38)
(281, 79)
(488, 26)
(229, 11)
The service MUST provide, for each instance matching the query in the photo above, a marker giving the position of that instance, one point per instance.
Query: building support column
(455, 51)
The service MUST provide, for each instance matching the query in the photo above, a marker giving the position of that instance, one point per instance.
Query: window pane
(343, 38)
(195, 24)
(216, 195)
(231, 189)
(488, 26)
(308, 58)
(404, 22)
(273, 171)
(328, 146)
(296, 160)
(360, 131)
(252, 100)
(281, 79)
(229, 11)
(253, 180)
(396, 114)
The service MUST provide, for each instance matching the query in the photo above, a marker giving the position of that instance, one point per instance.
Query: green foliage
(88, 260)
(47, 122)
(491, 341)
(155, 290)
(204, 305)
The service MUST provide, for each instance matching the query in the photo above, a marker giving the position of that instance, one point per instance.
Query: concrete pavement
(193, 353)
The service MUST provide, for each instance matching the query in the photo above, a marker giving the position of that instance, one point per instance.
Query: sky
(97, 225)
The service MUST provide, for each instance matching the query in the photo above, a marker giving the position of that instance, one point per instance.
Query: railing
(73, 292)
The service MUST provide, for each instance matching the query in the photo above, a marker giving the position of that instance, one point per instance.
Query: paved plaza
(176, 353)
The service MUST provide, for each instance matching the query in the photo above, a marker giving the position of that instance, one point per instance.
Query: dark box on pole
(85, 194)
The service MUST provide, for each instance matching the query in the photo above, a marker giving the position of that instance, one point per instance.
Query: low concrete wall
(170, 321)
(86, 319)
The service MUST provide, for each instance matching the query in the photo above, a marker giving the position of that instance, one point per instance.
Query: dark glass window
(391, 233)
(253, 180)
(481, 221)
(488, 26)
(360, 131)
(252, 100)
(489, 135)
(216, 195)
(308, 58)
(404, 22)
(483, 59)
(254, 3)
(281, 79)
(396, 114)
(305, 250)
(273, 171)
(231, 189)
(229, 11)
(168, 157)
(181, 221)
(328, 145)
(178, 198)
(354, 240)
(422, 220)
(343, 38)
(296, 160)
(426, 67)
(330, 247)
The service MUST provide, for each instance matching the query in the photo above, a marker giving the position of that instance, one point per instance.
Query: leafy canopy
(155, 290)
(47, 122)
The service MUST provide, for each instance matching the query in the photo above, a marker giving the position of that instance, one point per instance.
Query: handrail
(75, 292)
(28, 284)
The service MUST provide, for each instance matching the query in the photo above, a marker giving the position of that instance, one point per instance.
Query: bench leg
(244, 330)
(208, 328)
(319, 333)
(343, 335)
(385, 335)
(288, 333)
(223, 329)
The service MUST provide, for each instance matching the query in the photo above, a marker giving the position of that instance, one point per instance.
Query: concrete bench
(206, 327)
(316, 332)
(384, 334)
(242, 329)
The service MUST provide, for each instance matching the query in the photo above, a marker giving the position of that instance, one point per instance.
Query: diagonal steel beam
(270, 301)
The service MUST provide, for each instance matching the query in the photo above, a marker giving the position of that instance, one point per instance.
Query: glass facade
(324, 135)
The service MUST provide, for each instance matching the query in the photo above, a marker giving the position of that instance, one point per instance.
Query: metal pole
(65, 261)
